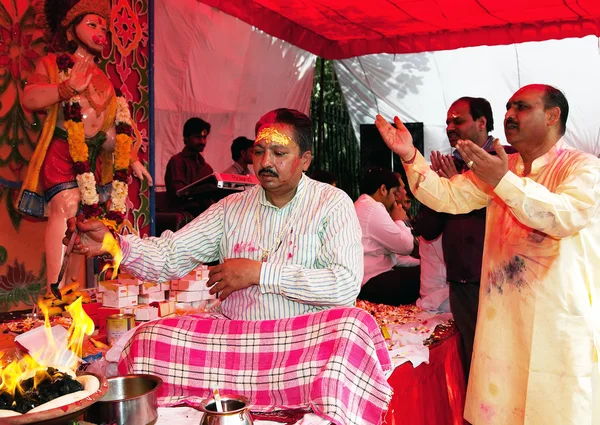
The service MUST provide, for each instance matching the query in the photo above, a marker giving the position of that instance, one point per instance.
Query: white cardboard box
(150, 288)
(188, 296)
(150, 298)
(120, 288)
(128, 310)
(111, 300)
(197, 274)
(124, 291)
(146, 312)
(189, 285)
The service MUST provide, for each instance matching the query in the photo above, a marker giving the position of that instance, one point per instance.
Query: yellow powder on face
(272, 135)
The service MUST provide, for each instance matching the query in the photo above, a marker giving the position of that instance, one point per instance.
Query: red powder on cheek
(295, 165)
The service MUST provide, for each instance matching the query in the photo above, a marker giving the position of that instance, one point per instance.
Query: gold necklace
(277, 243)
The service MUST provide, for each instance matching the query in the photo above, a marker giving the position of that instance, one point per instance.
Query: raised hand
(436, 164)
(443, 165)
(91, 235)
(488, 168)
(398, 139)
(80, 76)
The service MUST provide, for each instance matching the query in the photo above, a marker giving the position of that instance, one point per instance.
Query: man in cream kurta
(535, 358)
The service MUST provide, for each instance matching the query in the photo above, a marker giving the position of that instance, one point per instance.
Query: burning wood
(51, 384)
(46, 371)
(69, 294)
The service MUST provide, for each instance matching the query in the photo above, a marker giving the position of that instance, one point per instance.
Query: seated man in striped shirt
(287, 247)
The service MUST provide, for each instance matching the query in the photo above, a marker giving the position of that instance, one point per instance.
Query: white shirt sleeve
(392, 235)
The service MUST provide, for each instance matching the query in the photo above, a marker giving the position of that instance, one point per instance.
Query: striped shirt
(316, 258)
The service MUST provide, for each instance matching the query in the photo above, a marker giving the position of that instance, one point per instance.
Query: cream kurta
(538, 326)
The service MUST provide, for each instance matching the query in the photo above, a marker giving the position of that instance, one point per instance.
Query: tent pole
(151, 120)
(321, 131)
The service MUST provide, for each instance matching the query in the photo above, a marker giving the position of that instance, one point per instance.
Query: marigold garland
(122, 149)
(78, 149)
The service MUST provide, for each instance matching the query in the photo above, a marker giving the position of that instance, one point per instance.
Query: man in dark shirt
(468, 118)
(188, 166)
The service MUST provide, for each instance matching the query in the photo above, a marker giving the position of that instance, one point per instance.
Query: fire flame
(59, 354)
(81, 325)
(110, 244)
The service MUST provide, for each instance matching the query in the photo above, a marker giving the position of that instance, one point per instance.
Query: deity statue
(84, 151)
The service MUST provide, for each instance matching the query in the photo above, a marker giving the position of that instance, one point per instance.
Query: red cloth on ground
(332, 361)
(431, 393)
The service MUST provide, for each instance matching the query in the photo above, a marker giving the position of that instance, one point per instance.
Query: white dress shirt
(434, 290)
(382, 237)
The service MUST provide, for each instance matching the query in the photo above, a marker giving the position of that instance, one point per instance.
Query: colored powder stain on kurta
(290, 256)
(240, 248)
(493, 389)
(511, 272)
(487, 412)
(490, 313)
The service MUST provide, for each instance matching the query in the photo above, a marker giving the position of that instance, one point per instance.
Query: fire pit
(38, 383)
(67, 407)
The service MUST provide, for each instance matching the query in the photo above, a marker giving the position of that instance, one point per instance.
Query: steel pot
(130, 400)
(235, 411)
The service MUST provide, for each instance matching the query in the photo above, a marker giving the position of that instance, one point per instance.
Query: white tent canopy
(421, 86)
(221, 69)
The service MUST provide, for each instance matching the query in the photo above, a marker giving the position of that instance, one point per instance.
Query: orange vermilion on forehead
(272, 135)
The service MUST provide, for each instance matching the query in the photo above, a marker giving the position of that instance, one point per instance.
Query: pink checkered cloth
(333, 362)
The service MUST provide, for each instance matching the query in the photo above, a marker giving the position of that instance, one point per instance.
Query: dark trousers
(398, 286)
(464, 302)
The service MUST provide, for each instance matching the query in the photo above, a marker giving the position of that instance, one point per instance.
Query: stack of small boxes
(150, 300)
(191, 290)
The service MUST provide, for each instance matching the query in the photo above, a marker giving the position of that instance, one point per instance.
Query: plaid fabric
(332, 361)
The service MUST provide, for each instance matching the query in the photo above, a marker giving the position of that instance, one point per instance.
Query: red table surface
(430, 394)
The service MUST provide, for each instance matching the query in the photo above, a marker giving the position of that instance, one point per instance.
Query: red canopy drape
(337, 29)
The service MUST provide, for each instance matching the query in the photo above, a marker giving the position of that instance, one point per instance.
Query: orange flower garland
(77, 147)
